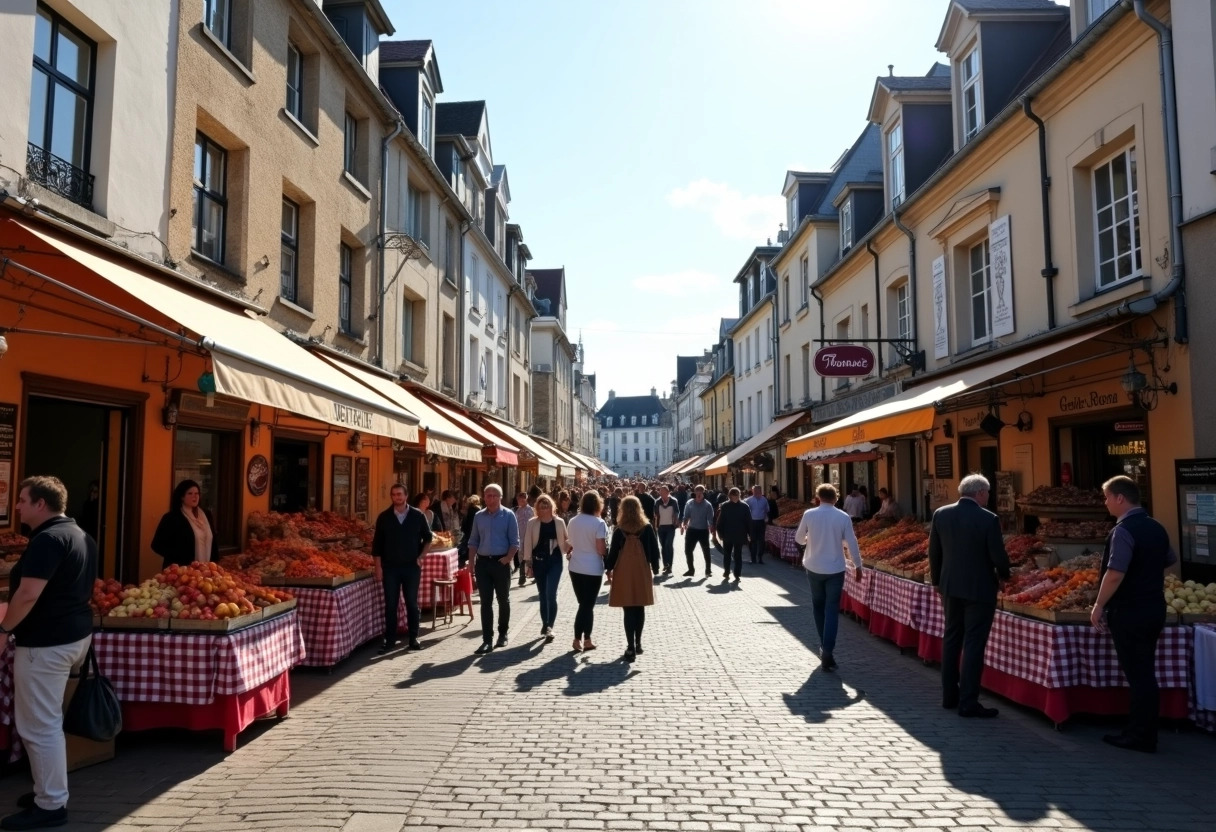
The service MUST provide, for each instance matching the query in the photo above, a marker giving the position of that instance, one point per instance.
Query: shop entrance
(982, 454)
(1096, 451)
(296, 475)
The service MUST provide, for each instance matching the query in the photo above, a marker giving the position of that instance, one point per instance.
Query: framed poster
(943, 461)
(363, 468)
(1001, 258)
(8, 450)
(339, 495)
(941, 334)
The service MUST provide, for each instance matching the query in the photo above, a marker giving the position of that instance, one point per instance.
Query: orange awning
(758, 441)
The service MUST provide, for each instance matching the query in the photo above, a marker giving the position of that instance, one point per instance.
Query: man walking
(667, 517)
(757, 504)
(734, 529)
(50, 619)
(967, 563)
(825, 530)
(400, 539)
(646, 500)
(492, 547)
(1131, 605)
(698, 525)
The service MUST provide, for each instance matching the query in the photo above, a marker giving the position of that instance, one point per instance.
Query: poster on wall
(8, 450)
(339, 500)
(1000, 299)
(1196, 481)
(363, 467)
(941, 336)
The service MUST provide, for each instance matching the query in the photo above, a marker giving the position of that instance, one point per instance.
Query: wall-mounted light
(168, 415)
(255, 432)
(1138, 388)
(355, 443)
(948, 429)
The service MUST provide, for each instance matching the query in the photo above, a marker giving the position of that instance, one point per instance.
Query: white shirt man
(825, 531)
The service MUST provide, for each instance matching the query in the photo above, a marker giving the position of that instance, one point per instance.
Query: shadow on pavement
(582, 675)
(820, 695)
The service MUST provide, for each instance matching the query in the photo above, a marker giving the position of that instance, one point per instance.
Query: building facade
(553, 358)
(754, 342)
(633, 439)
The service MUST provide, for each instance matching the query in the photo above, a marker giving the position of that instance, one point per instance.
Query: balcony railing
(58, 176)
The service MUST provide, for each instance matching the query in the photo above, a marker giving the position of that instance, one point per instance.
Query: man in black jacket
(646, 500)
(967, 563)
(734, 528)
(400, 539)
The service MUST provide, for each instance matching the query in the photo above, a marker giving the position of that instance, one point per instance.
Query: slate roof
(459, 118)
(1007, 5)
(1058, 46)
(725, 326)
(403, 51)
(686, 368)
(861, 163)
(549, 285)
(627, 406)
(496, 176)
(937, 78)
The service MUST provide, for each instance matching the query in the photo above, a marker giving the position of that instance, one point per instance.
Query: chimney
(890, 70)
(654, 391)
(611, 395)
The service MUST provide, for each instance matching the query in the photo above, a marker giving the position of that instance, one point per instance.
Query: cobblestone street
(726, 723)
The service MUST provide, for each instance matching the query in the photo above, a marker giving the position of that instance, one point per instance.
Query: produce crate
(1063, 617)
(111, 622)
(331, 583)
(221, 625)
(278, 609)
(1197, 617)
(1096, 512)
(1028, 611)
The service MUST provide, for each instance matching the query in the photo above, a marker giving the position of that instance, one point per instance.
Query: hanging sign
(1000, 299)
(941, 336)
(844, 361)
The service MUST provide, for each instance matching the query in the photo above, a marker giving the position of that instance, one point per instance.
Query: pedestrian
(50, 619)
(422, 502)
(565, 507)
(544, 545)
(586, 535)
(646, 500)
(873, 504)
(1131, 606)
(523, 513)
(774, 505)
(682, 495)
(186, 532)
(757, 504)
(967, 564)
(698, 524)
(855, 504)
(667, 517)
(735, 530)
(400, 538)
(493, 544)
(633, 559)
(611, 505)
(890, 509)
(447, 519)
(472, 505)
(825, 531)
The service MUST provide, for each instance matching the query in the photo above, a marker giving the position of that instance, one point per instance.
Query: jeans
(691, 538)
(1135, 631)
(635, 620)
(667, 536)
(587, 591)
(494, 579)
(40, 677)
(757, 549)
(548, 574)
(825, 606)
(397, 579)
(732, 549)
(967, 626)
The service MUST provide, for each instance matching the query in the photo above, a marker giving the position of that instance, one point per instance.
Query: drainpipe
(383, 227)
(877, 300)
(911, 280)
(823, 382)
(462, 314)
(1169, 114)
(1049, 269)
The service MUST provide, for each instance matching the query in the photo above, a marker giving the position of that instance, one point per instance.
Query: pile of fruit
(1022, 548)
(13, 540)
(441, 540)
(1070, 587)
(1065, 496)
(294, 558)
(903, 546)
(1076, 529)
(202, 591)
(789, 512)
(1190, 597)
(312, 525)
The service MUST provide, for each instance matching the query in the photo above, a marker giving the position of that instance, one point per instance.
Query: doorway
(296, 475)
(982, 454)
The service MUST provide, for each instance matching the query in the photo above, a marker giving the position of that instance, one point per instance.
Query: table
(781, 539)
(892, 601)
(202, 681)
(1204, 676)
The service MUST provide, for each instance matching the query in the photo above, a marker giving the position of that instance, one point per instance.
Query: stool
(464, 590)
(442, 591)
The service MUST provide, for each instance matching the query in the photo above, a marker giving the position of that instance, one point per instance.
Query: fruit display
(8, 562)
(1070, 587)
(322, 526)
(1189, 597)
(13, 540)
(902, 548)
(789, 512)
(1022, 548)
(197, 591)
(1076, 529)
(1064, 497)
(280, 558)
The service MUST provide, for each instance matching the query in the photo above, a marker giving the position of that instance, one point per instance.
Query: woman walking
(544, 543)
(586, 534)
(633, 561)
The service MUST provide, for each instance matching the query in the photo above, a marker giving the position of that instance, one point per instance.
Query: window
(648, 454)
(289, 266)
(449, 258)
(424, 123)
(785, 378)
(980, 285)
(895, 154)
(865, 321)
(413, 205)
(791, 213)
(633, 420)
(648, 437)
(785, 298)
(768, 325)
(609, 422)
(624, 434)
(344, 266)
(846, 225)
(210, 198)
(350, 152)
(635, 437)
(804, 272)
(61, 109)
(449, 351)
(903, 319)
(217, 17)
(624, 456)
(1097, 8)
(635, 454)
(295, 82)
(654, 420)
(973, 94)
(475, 275)
(407, 330)
(1117, 219)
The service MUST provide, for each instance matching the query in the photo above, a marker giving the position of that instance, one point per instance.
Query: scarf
(202, 534)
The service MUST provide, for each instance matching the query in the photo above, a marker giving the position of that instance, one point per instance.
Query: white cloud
(737, 215)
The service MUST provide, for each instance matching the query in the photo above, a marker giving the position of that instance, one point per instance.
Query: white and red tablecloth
(782, 541)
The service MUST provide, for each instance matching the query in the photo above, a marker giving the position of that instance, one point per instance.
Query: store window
(212, 459)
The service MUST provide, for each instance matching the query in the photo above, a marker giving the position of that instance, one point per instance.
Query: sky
(647, 141)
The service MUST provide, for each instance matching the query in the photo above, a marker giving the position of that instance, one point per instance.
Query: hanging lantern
(206, 384)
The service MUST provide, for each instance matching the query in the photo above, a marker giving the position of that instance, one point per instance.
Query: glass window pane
(1102, 186)
(215, 170)
(1124, 267)
(42, 36)
(1106, 245)
(1106, 218)
(979, 317)
(289, 220)
(198, 161)
(38, 94)
(1118, 171)
(1123, 233)
(68, 128)
(287, 272)
(1106, 275)
(213, 224)
(73, 56)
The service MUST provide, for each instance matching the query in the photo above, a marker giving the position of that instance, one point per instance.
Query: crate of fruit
(327, 581)
(218, 625)
(116, 622)
(275, 610)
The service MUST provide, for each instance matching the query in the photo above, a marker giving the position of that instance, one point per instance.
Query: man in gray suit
(967, 564)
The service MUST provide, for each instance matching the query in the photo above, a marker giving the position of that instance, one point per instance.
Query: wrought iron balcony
(61, 177)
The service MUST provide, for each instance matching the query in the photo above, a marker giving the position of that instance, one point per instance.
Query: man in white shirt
(855, 504)
(825, 530)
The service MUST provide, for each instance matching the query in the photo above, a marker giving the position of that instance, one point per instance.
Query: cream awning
(913, 411)
(252, 361)
(547, 463)
(755, 443)
(442, 436)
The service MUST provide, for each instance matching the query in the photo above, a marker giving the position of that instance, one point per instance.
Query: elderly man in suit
(967, 563)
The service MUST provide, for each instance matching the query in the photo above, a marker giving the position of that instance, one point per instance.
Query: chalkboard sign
(340, 488)
(362, 487)
(943, 461)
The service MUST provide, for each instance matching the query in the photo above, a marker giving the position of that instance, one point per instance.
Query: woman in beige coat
(542, 548)
(633, 559)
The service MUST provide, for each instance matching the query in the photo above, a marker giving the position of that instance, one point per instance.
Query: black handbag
(94, 712)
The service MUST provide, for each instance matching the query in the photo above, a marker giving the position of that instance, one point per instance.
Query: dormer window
(654, 420)
(791, 210)
(973, 94)
(609, 421)
(895, 156)
(1097, 8)
(425, 110)
(846, 225)
(633, 420)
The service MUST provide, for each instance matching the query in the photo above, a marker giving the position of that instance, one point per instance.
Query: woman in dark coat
(633, 560)
(187, 531)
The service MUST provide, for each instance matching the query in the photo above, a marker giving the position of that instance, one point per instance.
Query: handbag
(94, 712)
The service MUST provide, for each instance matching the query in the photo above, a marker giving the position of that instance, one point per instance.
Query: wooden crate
(1197, 617)
(1027, 611)
(329, 583)
(220, 625)
(278, 609)
(110, 622)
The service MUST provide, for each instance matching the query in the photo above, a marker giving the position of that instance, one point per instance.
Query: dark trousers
(758, 540)
(548, 574)
(1135, 631)
(825, 606)
(396, 580)
(667, 536)
(635, 620)
(691, 538)
(732, 549)
(494, 579)
(967, 626)
(587, 591)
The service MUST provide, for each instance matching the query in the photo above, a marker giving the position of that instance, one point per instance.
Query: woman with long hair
(633, 562)
(586, 535)
(565, 508)
(544, 543)
(186, 532)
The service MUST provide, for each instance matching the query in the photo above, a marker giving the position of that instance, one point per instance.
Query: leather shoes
(414, 645)
(978, 712)
(502, 642)
(1130, 743)
(25, 801)
(829, 662)
(950, 704)
(485, 647)
(36, 817)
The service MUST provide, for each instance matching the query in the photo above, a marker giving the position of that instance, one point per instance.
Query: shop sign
(839, 408)
(844, 361)
(8, 448)
(1132, 447)
(1089, 400)
(1133, 426)
(971, 421)
(257, 475)
(356, 417)
(1000, 298)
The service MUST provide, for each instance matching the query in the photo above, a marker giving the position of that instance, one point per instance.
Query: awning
(443, 437)
(755, 443)
(568, 458)
(670, 469)
(863, 452)
(693, 463)
(913, 411)
(252, 361)
(546, 462)
(494, 448)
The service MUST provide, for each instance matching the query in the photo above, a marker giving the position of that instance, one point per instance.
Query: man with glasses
(493, 543)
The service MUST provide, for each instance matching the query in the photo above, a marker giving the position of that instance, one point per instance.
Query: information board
(1196, 481)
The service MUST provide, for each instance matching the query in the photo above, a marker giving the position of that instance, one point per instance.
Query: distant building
(635, 434)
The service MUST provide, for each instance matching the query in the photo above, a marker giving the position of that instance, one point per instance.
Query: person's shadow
(820, 695)
(489, 663)
(582, 675)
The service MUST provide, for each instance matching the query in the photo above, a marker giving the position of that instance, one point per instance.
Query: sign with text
(1000, 299)
(943, 462)
(941, 334)
(8, 451)
(844, 361)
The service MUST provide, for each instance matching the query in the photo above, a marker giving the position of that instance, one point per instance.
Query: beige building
(553, 358)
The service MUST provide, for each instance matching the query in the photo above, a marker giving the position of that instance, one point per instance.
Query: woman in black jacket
(187, 532)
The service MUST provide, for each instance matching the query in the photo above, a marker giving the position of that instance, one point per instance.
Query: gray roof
(626, 406)
(403, 51)
(459, 118)
(496, 176)
(937, 78)
(549, 285)
(725, 326)
(861, 163)
(1007, 5)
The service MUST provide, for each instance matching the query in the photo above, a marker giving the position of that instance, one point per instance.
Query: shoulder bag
(94, 712)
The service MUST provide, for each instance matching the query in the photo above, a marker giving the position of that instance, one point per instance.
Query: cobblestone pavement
(726, 723)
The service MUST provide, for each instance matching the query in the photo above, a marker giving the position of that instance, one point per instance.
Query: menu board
(363, 468)
(1196, 481)
(943, 461)
(8, 450)
(339, 499)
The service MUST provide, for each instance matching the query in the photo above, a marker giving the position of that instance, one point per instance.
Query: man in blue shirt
(757, 504)
(492, 547)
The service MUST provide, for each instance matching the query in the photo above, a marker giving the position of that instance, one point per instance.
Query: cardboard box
(84, 752)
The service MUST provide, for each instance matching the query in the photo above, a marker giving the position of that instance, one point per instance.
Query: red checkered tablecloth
(436, 566)
(860, 591)
(782, 539)
(8, 722)
(892, 596)
(192, 669)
